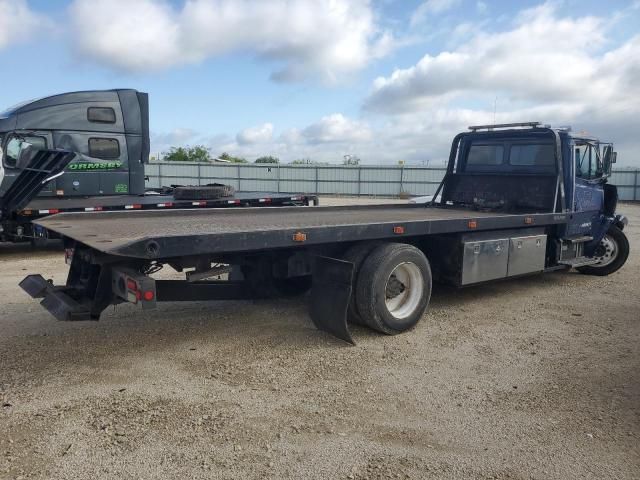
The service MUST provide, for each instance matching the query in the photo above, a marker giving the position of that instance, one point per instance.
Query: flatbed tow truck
(516, 199)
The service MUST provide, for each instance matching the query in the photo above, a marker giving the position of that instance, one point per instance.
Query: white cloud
(336, 128)
(323, 39)
(177, 136)
(542, 59)
(254, 135)
(17, 22)
(419, 138)
(327, 139)
(429, 8)
(545, 67)
(146, 37)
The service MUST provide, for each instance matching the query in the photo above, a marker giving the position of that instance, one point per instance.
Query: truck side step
(54, 299)
(578, 262)
(581, 239)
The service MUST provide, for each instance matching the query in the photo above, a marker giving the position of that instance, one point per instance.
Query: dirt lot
(531, 378)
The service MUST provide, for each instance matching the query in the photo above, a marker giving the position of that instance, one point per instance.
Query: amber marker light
(472, 224)
(299, 237)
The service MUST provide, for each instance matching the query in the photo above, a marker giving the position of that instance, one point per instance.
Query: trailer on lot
(105, 134)
(516, 200)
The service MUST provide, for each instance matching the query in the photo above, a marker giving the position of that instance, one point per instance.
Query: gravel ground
(530, 378)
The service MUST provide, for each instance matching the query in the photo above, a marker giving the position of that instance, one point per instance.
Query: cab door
(588, 191)
(100, 167)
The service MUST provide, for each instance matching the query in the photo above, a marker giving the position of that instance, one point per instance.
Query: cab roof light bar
(474, 128)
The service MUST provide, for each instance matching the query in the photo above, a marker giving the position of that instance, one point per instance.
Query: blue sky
(385, 80)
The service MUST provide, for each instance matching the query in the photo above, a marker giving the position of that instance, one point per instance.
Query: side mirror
(608, 159)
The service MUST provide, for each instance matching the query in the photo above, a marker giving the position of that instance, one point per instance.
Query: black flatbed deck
(175, 233)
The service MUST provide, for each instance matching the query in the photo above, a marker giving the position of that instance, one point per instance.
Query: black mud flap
(54, 299)
(330, 295)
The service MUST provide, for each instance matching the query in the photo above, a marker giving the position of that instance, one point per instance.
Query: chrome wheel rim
(403, 290)
(606, 252)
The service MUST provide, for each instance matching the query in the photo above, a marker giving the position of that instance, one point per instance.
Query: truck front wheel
(393, 288)
(611, 253)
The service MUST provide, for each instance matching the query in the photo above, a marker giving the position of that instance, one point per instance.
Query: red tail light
(132, 285)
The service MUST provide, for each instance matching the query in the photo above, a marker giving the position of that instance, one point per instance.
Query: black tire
(203, 192)
(621, 251)
(373, 287)
(356, 254)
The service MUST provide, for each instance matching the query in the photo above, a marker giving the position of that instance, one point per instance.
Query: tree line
(200, 153)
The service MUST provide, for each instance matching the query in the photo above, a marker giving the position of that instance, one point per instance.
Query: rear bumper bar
(55, 299)
(330, 293)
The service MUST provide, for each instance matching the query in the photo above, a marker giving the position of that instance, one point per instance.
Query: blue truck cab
(530, 167)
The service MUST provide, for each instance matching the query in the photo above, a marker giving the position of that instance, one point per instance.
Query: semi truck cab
(106, 134)
(107, 129)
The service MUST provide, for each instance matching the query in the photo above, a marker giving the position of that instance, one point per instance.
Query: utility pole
(495, 105)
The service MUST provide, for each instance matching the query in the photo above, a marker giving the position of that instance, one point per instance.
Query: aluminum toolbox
(526, 254)
(484, 260)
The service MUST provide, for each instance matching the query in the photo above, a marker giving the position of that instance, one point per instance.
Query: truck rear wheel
(612, 253)
(356, 255)
(393, 288)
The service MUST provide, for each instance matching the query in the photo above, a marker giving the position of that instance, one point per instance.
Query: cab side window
(101, 115)
(105, 148)
(484, 155)
(14, 146)
(538, 155)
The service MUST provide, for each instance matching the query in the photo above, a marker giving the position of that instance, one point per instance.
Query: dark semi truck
(107, 133)
(516, 200)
